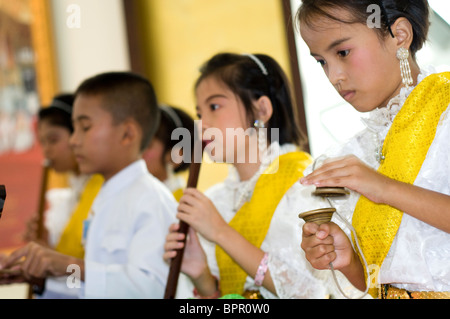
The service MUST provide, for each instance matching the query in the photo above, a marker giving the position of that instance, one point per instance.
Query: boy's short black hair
(59, 112)
(126, 95)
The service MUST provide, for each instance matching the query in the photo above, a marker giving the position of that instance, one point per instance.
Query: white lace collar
(382, 118)
(174, 182)
(273, 151)
(77, 183)
(244, 189)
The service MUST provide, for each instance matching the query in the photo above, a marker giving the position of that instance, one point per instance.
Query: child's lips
(206, 142)
(347, 95)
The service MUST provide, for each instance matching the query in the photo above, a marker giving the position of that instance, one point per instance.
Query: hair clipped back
(126, 95)
(59, 112)
(416, 11)
(168, 124)
(251, 77)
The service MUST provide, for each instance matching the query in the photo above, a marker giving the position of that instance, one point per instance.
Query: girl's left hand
(200, 213)
(350, 172)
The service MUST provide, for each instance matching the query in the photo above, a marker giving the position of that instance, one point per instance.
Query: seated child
(115, 116)
(397, 169)
(163, 160)
(67, 207)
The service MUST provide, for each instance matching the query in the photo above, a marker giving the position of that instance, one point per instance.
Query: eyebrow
(215, 96)
(333, 45)
(212, 97)
(81, 118)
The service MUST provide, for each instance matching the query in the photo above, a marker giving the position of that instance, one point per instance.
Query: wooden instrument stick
(2, 198)
(175, 264)
(41, 208)
(37, 286)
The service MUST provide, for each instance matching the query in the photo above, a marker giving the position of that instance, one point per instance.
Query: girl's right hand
(194, 261)
(325, 244)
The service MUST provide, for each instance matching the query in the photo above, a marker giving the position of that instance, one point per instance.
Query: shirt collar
(124, 178)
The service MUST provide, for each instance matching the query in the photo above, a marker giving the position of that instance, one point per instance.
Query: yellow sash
(178, 193)
(253, 219)
(70, 241)
(405, 148)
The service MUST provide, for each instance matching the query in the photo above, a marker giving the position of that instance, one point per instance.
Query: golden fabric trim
(391, 292)
(405, 148)
(70, 242)
(253, 219)
(252, 294)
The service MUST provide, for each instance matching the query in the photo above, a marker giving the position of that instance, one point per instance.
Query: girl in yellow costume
(163, 161)
(248, 223)
(67, 207)
(399, 170)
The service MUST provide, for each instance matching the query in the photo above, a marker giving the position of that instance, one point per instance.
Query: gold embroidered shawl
(405, 148)
(70, 241)
(253, 219)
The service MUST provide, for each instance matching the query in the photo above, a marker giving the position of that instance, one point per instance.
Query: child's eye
(343, 53)
(214, 107)
(199, 116)
(53, 140)
(321, 62)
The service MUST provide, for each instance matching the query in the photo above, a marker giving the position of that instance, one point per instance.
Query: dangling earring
(403, 55)
(262, 139)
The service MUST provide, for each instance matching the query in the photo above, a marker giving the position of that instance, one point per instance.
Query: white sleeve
(60, 208)
(291, 272)
(143, 272)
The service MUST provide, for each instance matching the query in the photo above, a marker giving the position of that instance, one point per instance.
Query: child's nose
(73, 140)
(335, 75)
(203, 125)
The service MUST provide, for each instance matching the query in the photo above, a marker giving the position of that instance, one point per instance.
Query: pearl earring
(258, 124)
(262, 139)
(403, 55)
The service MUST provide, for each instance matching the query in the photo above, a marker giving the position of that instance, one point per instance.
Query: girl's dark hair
(59, 112)
(243, 76)
(416, 11)
(169, 122)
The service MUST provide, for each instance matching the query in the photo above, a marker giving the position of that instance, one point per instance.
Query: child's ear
(174, 157)
(263, 109)
(130, 132)
(403, 33)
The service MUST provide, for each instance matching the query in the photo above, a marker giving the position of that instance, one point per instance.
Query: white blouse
(124, 247)
(291, 273)
(419, 258)
(61, 204)
(174, 181)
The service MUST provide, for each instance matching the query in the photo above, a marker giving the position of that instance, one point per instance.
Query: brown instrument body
(175, 265)
(37, 284)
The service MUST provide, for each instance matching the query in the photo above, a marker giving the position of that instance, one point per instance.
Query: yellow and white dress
(68, 208)
(292, 274)
(418, 256)
(176, 184)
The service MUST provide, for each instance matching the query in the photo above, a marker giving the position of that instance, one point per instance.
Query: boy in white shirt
(115, 116)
